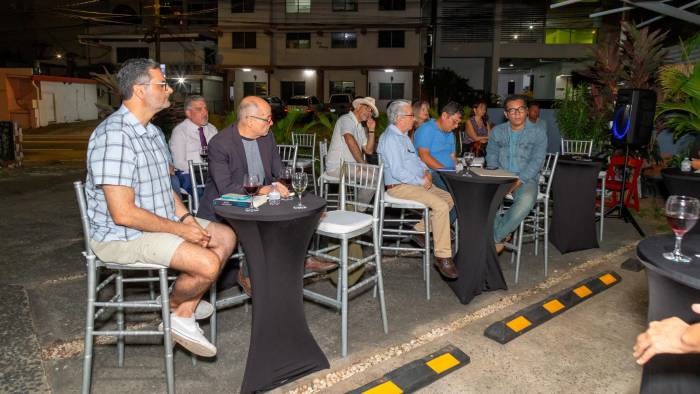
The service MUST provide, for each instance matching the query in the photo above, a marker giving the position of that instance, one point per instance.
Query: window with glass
(340, 87)
(298, 6)
(344, 5)
(299, 40)
(243, 40)
(390, 91)
(392, 39)
(292, 88)
(392, 5)
(238, 6)
(254, 89)
(344, 40)
(570, 36)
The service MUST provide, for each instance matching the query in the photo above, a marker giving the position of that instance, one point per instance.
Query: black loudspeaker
(633, 119)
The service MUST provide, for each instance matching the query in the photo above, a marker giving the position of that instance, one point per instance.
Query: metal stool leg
(344, 298)
(89, 324)
(120, 318)
(426, 253)
(167, 336)
(380, 280)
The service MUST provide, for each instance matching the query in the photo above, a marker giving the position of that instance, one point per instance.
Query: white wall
(63, 102)
(380, 76)
(504, 78)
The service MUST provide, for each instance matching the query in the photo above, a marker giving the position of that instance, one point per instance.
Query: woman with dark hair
(478, 129)
(420, 115)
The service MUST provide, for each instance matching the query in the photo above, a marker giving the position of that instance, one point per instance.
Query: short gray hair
(394, 110)
(134, 72)
(192, 98)
(246, 107)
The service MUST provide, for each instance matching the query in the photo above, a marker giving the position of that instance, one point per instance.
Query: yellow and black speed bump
(417, 373)
(526, 319)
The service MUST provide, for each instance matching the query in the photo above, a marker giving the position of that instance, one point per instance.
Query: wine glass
(469, 159)
(299, 181)
(286, 178)
(204, 153)
(251, 184)
(682, 213)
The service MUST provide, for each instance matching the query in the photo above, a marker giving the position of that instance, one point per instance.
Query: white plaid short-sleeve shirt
(124, 153)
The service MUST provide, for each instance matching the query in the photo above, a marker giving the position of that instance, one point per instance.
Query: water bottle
(274, 196)
(685, 165)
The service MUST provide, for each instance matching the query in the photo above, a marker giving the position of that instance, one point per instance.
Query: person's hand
(282, 188)
(265, 190)
(427, 180)
(191, 231)
(515, 186)
(171, 169)
(663, 336)
(695, 164)
(371, 124)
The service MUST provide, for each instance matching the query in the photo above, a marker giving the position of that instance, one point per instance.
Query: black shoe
(418, 239)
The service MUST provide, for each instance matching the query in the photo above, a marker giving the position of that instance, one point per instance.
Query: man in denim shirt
(408, 178)
(519, 147)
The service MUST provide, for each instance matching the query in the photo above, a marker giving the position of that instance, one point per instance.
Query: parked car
(340, 103)
(277, 107)
(309, 105)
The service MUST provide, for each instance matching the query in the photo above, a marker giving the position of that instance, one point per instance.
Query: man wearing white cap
(350, 139)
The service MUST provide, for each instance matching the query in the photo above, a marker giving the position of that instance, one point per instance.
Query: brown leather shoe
(245, 284)
(446, 267)
(315, 264)
(418, 239)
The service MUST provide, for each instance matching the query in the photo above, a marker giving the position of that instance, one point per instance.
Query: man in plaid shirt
(135, 217)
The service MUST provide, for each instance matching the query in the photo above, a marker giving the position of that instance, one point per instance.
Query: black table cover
(682, 184)
(574, 193)
(673, 287)
(477, 199)
(275, 240)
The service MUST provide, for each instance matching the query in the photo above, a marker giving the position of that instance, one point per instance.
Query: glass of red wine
(682, 213)
(204, 153)
(251, 184)
(286, 179)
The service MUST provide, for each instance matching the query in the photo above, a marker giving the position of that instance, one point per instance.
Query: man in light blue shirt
(435, 141)
(407, 177)
(519, 147)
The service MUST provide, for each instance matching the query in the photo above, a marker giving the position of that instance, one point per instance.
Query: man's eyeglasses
(268, 119)
(512, 111)
(163, 85)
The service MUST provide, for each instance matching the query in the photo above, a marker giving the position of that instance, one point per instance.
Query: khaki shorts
(149, 248)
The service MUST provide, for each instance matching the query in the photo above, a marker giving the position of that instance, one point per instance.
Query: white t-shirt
(185, 144)
(339, 152)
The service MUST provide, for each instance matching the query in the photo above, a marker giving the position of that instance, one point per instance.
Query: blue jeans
(439, 182)
(524, 199)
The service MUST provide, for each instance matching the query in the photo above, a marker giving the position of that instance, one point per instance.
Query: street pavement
(587, 348)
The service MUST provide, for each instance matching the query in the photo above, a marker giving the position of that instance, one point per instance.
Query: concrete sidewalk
(587, 348)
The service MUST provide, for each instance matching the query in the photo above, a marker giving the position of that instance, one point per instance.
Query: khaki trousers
(440, 202)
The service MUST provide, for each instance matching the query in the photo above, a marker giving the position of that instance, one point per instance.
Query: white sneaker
(203, 310)
(187, 333)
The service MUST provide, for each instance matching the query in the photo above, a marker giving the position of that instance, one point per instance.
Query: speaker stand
(620, 208)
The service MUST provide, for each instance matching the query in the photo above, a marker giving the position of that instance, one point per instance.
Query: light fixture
(515, 36)
(532, 27)
(59, 56)
(309, 72)
(246, 70)
(499, 69)
(511, 65)
(388, 70)
(180, 80)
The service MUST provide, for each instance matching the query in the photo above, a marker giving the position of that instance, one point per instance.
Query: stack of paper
(498, 173)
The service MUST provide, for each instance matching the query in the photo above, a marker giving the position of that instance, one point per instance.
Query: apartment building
(322, 47)
(508, 46)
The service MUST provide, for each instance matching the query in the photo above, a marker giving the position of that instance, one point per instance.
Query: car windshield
(340, 99)
(298, 101)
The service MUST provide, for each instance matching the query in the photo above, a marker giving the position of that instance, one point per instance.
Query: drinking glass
(204, 153)
(286, 178)
(251, 184)
(682, 214)
(469, 159)
(299, 181)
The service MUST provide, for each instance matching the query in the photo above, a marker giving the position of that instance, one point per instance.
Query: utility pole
(156, 27)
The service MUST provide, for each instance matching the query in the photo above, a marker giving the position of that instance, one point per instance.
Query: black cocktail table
(683, 184)
(673, 287)
(275, 240)
(476, 199)
(574, 192)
